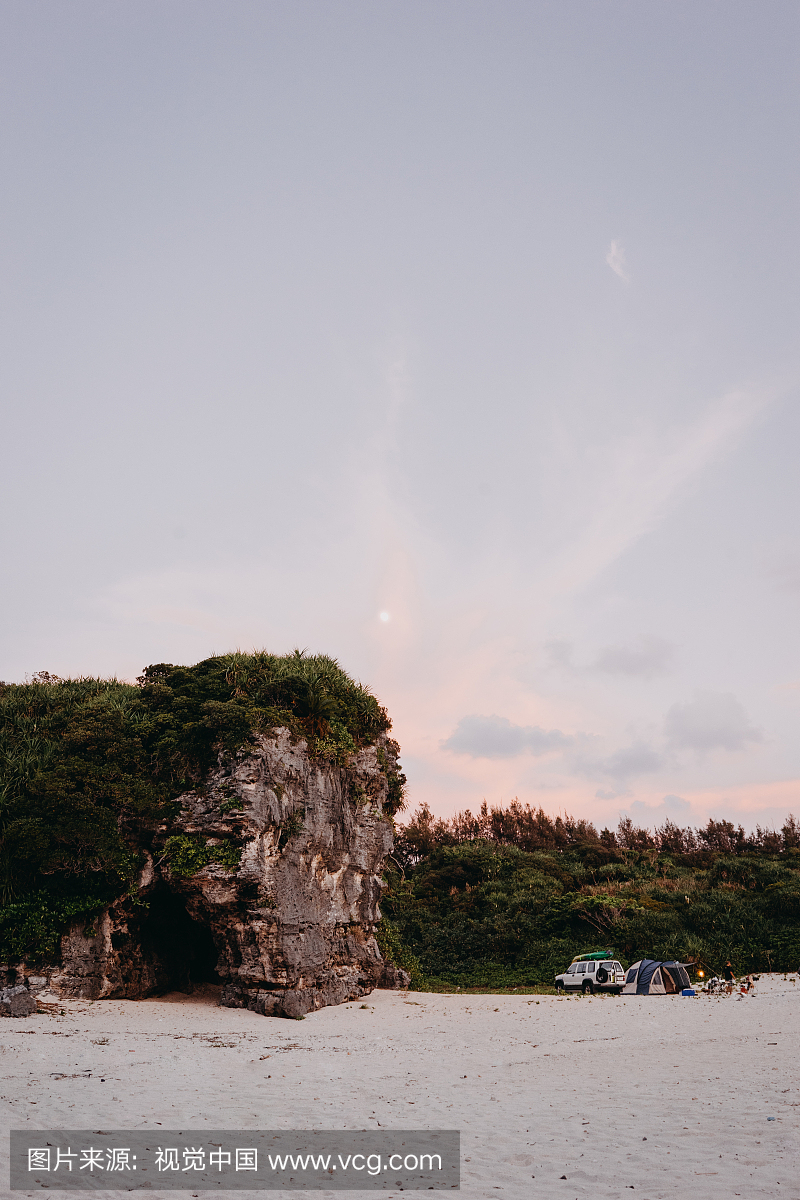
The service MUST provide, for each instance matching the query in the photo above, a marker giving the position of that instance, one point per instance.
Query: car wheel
(559, 986)
(602, 975)
(588, 987)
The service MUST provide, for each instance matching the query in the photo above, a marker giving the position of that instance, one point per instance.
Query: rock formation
(291, 929)
(17, 1001)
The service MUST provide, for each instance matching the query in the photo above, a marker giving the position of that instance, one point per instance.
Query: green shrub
(479, 912)
(30, 928)
(397, 955)
(291, 827)
(186, 855)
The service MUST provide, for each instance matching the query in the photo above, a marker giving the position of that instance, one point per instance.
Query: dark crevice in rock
(186, 947)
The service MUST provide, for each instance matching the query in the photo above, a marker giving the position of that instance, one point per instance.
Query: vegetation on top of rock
(506, 898)
(222, 701)
(90, 767)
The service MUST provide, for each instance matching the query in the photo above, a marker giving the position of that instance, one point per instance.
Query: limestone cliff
(288, 930)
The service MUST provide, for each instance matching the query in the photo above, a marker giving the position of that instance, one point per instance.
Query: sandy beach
(555, 1097)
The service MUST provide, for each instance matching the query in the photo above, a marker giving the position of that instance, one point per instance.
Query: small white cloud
(671, 807)
(675, 803)
(630, 761)
(651, 657)
(620, 767)
(644, 659)
(616, 260)
(497, 737)
(712, 721)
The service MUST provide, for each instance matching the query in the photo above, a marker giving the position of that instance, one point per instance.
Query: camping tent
(650, 978)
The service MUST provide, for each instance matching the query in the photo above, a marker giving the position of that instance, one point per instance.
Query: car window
(592, 967)
(571, 970)
(582, 968)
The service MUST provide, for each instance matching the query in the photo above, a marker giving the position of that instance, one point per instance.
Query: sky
(457, 340)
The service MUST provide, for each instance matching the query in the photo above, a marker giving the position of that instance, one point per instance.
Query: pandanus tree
(315, 705)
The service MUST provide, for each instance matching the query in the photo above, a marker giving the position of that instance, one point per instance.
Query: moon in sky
(384, 616)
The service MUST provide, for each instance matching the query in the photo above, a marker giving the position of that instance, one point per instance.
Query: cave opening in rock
(182, 947)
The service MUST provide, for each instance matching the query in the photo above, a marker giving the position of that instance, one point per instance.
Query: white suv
(592, 975)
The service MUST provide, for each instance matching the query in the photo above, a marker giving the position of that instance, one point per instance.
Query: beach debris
(54, 1009)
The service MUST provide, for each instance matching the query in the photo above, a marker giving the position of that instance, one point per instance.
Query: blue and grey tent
(650, 978)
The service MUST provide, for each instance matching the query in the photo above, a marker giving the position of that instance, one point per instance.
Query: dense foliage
(90, 768)
(507, 898)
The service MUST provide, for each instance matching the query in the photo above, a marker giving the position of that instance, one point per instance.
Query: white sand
(666, 1094)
